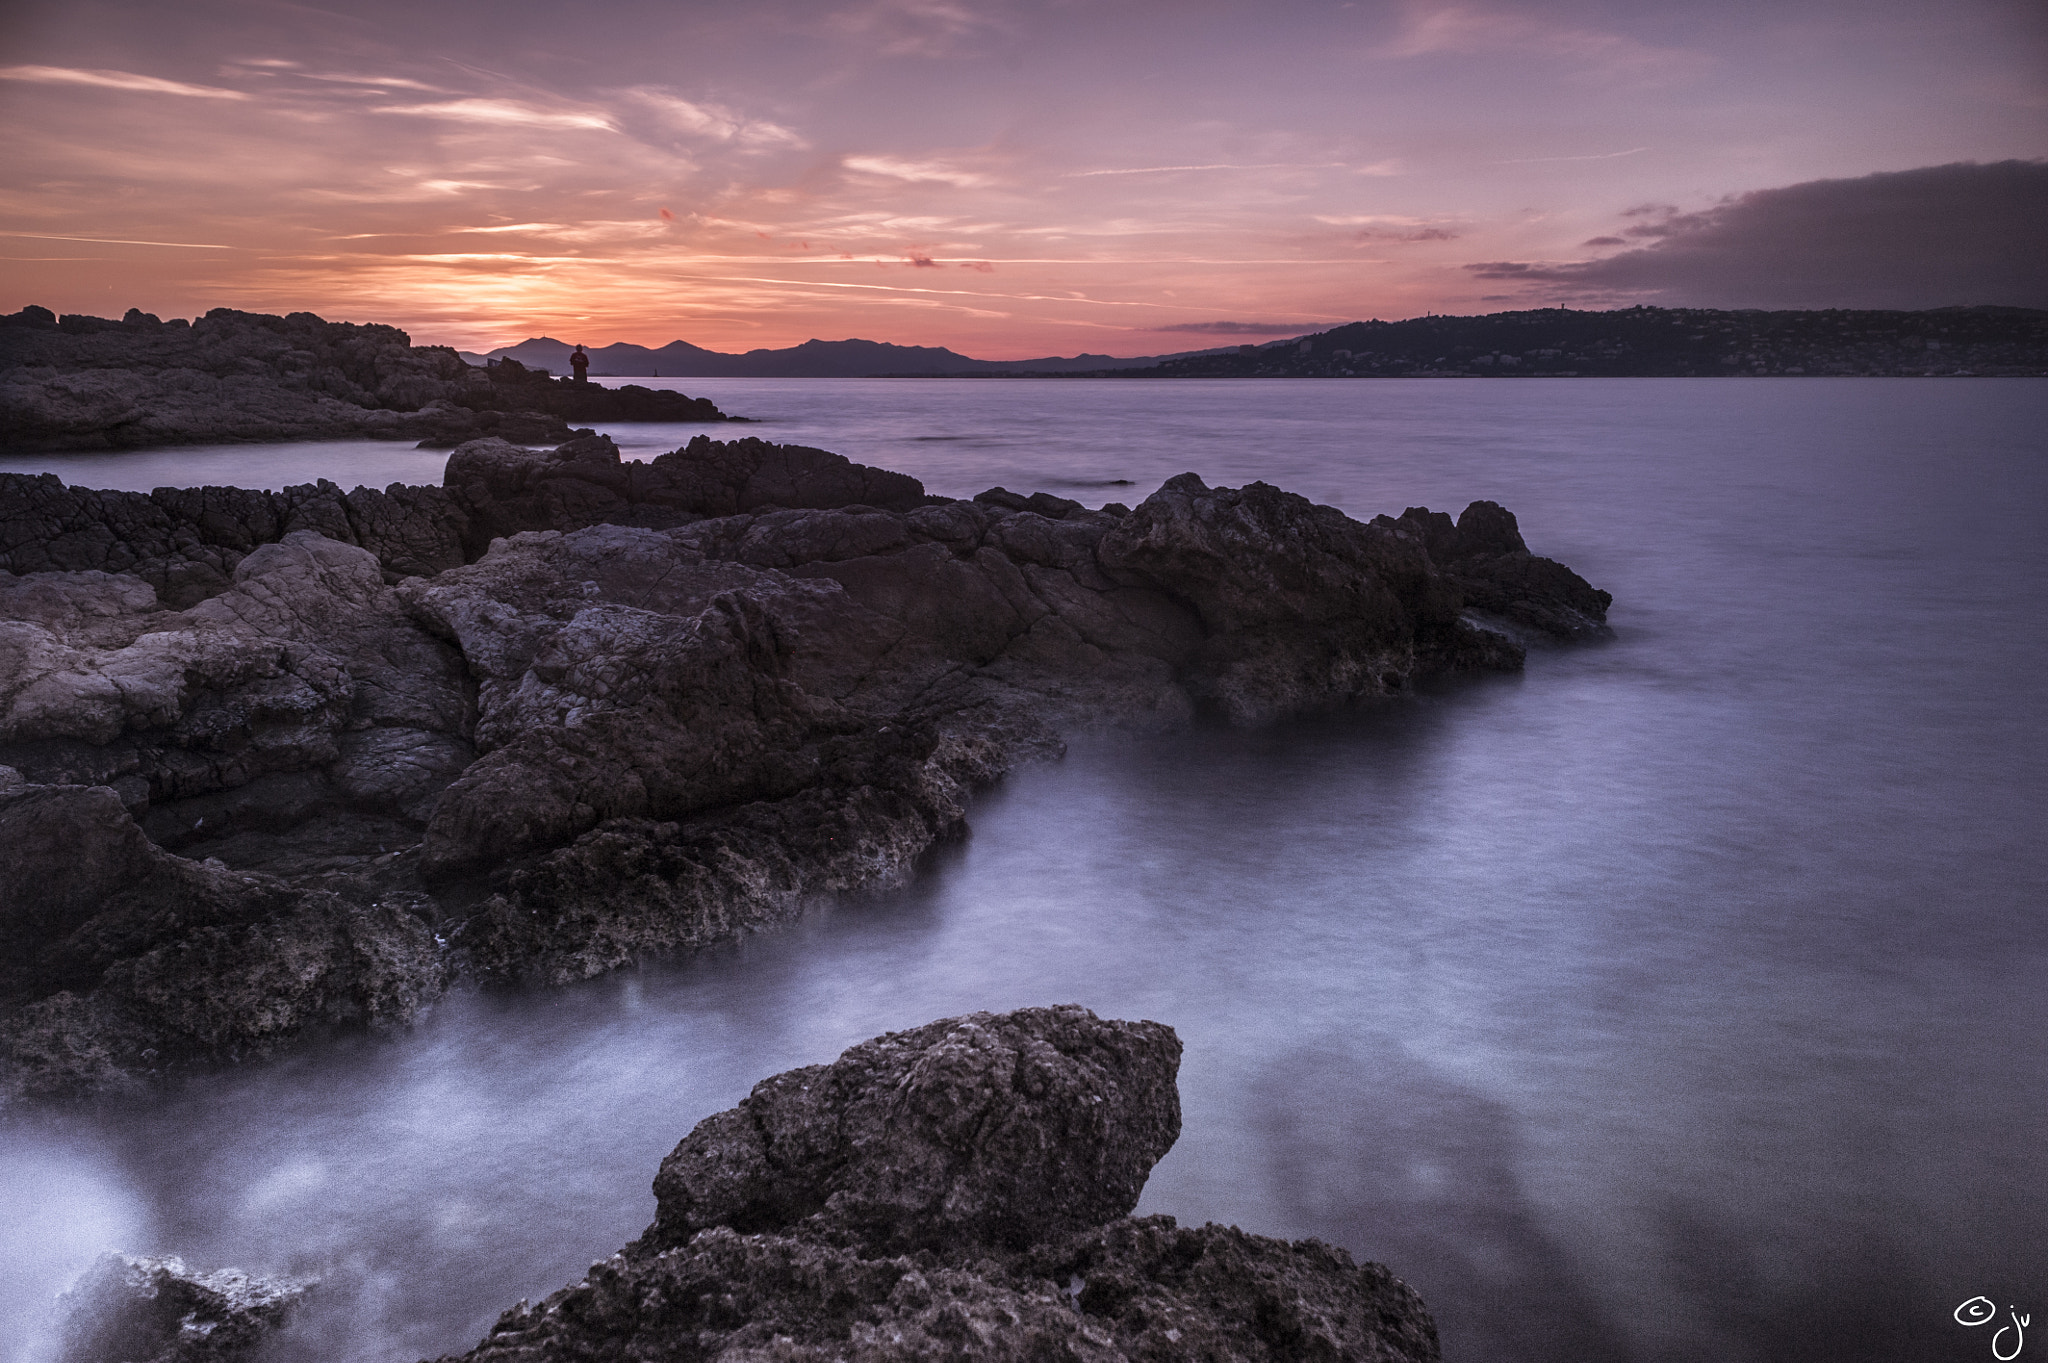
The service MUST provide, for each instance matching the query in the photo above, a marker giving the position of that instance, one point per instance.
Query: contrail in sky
(1263, 165)
(120, 241)
(1599, 156)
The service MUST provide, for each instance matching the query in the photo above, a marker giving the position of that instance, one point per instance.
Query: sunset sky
(1013, 179)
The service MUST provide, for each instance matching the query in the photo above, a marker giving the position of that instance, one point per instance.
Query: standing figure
(580, 362)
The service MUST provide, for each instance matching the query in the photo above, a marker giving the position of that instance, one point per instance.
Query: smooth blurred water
(1679, 999)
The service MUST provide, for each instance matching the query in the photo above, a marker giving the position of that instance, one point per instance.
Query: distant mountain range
(1550, 342)
(812, 360)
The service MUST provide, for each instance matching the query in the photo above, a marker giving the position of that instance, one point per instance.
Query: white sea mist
(1679, 998)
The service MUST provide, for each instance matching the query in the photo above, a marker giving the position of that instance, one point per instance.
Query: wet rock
(1301, 605)
(958, 1191)
(304, 692)
(1166, 1291)
(986, 1131)
(124, 958)
(133, 1310)
(187, 542)
(584, 482)
(305, 652)
(1485, 556)
(748, 679)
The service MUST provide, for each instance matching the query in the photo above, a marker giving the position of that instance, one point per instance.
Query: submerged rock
(567, 711)
(958, 1191)
(130, 1310)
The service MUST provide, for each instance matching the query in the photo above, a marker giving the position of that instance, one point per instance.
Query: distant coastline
(1640, 342)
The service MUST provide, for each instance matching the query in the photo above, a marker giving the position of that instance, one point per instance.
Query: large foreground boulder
(989, 1131)
(958, 1191)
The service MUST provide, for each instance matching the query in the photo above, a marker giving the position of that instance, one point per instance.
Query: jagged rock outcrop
(124, 959)
(131, 1310)
(1493, 570)
(558, 750)
(304, 697)
(307, 663)
(1295, 599)
(186, 542)
(958, 1191)
(82, 383)
(584, 482)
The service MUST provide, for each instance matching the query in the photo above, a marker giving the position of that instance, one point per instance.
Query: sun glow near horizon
(1006, 180)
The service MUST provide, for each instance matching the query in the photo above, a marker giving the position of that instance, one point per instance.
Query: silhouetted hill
(1643, 342)
(813, 359)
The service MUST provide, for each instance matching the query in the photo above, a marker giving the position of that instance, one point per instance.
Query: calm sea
(1682, 998)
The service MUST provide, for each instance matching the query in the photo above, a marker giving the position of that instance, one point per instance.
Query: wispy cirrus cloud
(1213, 165)
(1096, 163)
(116, 80)
(503, 112)
(1596, 156)
(536, 228)
(387, 82)
(1390, 167)
(715, 122)
(121, 241)
(897, 168)
(1460, 29)
(912, 28)
(1391, 227)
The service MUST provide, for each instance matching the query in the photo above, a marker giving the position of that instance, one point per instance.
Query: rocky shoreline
(276, 763)
(89, 383)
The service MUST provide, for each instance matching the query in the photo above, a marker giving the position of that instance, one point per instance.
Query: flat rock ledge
(958, 1191)
(277, 763)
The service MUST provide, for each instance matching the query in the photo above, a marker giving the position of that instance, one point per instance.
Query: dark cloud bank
(1938, 236)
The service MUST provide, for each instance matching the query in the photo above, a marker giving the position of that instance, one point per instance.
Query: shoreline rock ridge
(277, 763)
(89, 383)
(961, 1190)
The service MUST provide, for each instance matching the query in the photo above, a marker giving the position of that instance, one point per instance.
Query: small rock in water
(136, 1310)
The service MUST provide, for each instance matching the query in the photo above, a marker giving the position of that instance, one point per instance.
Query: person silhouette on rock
(580, 362)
